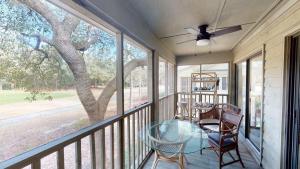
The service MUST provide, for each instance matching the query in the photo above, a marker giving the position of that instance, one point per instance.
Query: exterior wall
(218, 57)
(283, 22)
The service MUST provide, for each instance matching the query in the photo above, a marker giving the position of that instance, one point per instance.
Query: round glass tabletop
(174, 136)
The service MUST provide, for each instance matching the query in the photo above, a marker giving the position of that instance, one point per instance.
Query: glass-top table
(175, 137)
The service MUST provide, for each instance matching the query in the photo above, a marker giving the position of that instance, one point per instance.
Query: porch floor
(209, 160)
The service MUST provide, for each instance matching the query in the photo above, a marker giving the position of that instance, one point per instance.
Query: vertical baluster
(147, 124)
(160, 114)
(138, 138)
(121, 144)
(60, 159)
(169, 107)
(133, 140)
(93, 151)
(142, 145)
(102, 148)
(150, 121)
(112, 149)
(166, 108)
(36, 164)
(142, 128)
(128, 141)
(222, 101)
(200, 97)
(162, 111)
(78, 154)
(144, 121)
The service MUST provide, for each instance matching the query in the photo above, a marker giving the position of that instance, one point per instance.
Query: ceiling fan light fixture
(202, 42)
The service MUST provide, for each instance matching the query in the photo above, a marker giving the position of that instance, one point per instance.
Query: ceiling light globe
(202, 42)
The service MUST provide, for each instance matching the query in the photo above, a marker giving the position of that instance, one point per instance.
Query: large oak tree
(70, 51)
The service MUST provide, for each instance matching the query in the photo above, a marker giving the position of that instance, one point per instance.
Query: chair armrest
(227, 130)
(231, 135)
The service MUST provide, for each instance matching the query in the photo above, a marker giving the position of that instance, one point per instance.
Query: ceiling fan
(203, 37)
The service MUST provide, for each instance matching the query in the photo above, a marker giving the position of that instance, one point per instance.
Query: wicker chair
(227, 138)
(163, 147)
(209, 121)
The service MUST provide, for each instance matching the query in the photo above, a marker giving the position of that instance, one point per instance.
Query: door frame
(258, 155)
(290, 131)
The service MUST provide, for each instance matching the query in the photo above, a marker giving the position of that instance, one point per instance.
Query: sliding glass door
(255, 99)
(249, 81)
(241, 90)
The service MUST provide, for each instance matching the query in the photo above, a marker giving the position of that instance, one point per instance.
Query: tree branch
(40, 38)
(71, 22)
(91, 39)
(43, 10)
(85, 44)
(110, 87)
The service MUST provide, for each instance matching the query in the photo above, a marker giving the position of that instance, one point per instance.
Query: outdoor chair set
(220, 125)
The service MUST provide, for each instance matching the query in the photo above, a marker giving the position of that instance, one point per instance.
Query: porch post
(155, 82)
(120, 99)
(175, 90)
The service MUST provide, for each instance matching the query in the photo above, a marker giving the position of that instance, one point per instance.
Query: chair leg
(181, 164)
(238, 153)
(186, 160)
(155, 161)
(220, 160)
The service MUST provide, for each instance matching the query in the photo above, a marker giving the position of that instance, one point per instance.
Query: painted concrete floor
(209, 160)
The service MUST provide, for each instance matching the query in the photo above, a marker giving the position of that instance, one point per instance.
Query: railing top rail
(188, 93)
(163, 97)
(39, 152)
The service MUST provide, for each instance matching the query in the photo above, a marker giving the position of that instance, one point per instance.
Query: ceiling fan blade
(186, 41)
(213, 41)
(171, 36)
(248, 23)
(192, 31)
(226, 30)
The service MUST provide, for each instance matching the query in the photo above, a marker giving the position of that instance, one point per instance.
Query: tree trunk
(110, 88)
(83, 86)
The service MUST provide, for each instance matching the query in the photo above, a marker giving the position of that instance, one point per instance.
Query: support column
(155, 83)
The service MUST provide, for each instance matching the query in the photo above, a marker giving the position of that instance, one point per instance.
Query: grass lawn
(14, 96)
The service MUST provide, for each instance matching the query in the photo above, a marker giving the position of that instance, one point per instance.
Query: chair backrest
(231, 120)
(229, 108)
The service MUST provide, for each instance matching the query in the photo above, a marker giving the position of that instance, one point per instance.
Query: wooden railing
(203, 97)
(166, 107)
(122, 146)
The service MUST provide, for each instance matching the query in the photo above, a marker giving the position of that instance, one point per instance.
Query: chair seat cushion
(215, 137)
(209, 121)
(211, 127)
